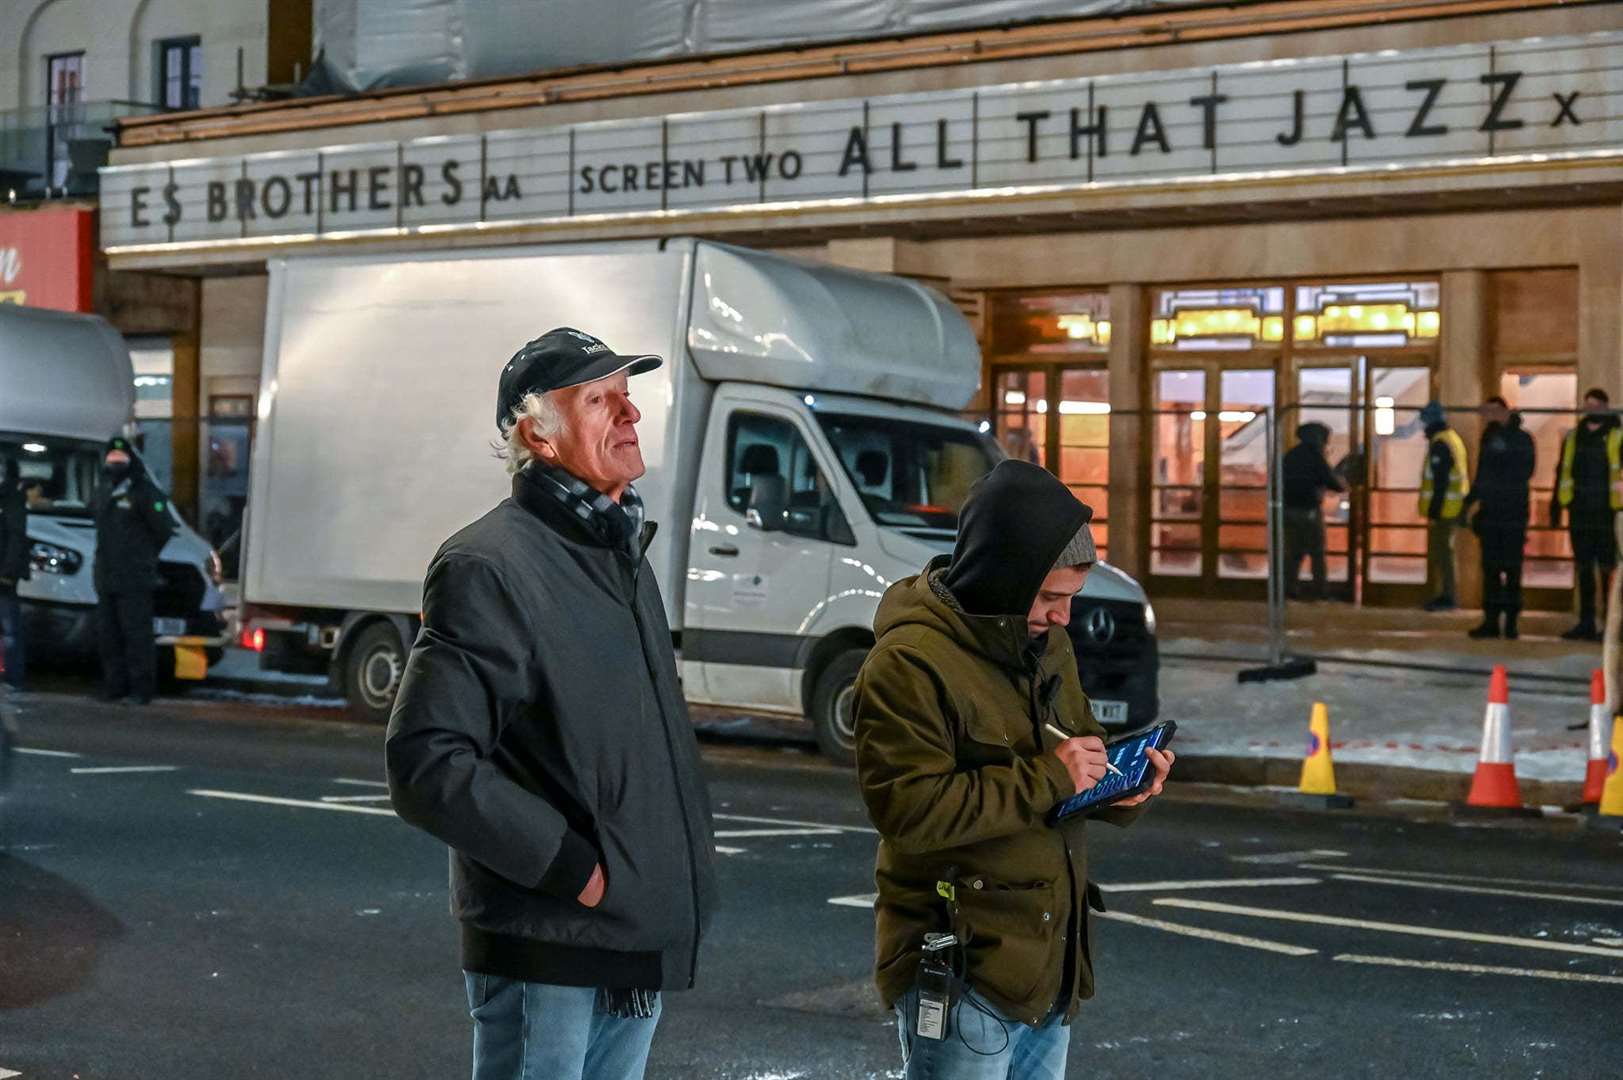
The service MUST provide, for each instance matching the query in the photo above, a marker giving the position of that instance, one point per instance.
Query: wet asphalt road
(169, 923)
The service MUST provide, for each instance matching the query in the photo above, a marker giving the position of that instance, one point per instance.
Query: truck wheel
(372, 673)
(833, 711)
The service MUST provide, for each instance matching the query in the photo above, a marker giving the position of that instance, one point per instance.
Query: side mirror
(768, 499)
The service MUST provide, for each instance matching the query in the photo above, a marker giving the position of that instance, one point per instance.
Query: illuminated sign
(1389, 110)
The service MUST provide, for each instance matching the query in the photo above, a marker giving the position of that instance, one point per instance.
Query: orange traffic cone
(1494, 788)
(1600, 739)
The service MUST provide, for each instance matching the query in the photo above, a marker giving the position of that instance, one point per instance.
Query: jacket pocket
(1009, 931)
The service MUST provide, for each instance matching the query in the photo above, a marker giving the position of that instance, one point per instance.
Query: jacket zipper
(676, 776)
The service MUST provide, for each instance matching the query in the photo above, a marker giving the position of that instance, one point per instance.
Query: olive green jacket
(954, 762)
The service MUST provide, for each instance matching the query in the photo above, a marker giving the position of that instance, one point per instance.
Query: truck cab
(66, 387)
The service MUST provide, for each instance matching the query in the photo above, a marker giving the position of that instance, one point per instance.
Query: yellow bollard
(1611, 796)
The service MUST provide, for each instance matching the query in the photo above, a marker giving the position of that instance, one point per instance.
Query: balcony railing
(53, 151)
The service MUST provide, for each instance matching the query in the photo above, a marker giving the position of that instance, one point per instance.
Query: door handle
(724, 550)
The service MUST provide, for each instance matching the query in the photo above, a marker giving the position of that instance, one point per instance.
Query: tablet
(1127, 754)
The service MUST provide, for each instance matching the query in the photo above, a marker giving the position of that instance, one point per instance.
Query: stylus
(1063, 735)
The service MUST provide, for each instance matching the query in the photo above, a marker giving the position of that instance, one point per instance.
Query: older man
(540, 731)
(961, 708)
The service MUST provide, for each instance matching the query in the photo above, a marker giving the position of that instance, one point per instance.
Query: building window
(1379, 315)
(1218, 319)
(180, 73)
(64, 92)
(1049, 324)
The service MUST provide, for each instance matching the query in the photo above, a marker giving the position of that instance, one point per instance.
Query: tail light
(253, 639)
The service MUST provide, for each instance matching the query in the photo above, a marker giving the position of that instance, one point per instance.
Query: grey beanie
(1079, 551)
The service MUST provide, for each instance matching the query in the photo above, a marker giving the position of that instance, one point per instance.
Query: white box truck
(66, 387)
(802, 445)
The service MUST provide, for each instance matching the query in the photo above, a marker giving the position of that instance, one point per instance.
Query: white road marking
(1290, 856)
(360, 783)
(1447, 886)
(1209, 935)
(1211, 883)
(860, 900)
(785, 821)
(1545, 882)
(1614, 942)
(102, 769)
(736, 834)
(1439, 932)
(272, 800)
(720, 850)
(1479, 969)
(6, 1074)
(41, 753)
(355, 798)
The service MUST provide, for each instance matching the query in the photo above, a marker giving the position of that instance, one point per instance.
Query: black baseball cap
(560, 358)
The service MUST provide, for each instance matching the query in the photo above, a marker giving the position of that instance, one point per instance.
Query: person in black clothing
(133, 523)
(13, 568)
(1307, 476)
(1589, 486)
(1500, 493)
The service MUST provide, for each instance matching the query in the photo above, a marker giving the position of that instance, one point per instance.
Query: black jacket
(14, 544)
(1307, 476)
(133, 523)
(1504, 473)
(540, 729)
(1591, 478)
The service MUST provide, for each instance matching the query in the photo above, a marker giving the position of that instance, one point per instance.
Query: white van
(65, 389)
(802, 441)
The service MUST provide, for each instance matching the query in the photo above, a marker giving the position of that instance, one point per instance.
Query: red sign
(45, 258)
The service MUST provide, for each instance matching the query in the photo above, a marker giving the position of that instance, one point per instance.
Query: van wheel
(833, 711)
(372, 673)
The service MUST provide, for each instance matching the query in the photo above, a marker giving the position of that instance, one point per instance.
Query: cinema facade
(1162, 227)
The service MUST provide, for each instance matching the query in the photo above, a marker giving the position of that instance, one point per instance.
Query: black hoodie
(132, 527)
(1504, 472)
(1014, 525)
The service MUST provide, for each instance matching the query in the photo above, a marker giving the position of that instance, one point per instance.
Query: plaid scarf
(618, 524)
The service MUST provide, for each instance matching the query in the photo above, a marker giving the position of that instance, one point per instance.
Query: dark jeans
(1594, 555)
(129, 661)
(11, 636)
(1502, 568)
(1304, 535)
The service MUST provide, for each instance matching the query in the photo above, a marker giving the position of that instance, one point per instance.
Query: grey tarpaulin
(371, 44)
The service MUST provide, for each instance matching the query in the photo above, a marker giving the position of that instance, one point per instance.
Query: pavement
(1405, 693)
(209, 888)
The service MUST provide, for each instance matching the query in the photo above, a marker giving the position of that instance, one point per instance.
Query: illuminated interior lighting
(1014, 397)
(1198, 414)
(1084, 408)
(1385, 417)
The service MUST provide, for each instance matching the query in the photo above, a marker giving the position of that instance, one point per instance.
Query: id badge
(935, 999)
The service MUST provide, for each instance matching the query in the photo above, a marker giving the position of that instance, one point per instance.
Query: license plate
(1110, 712)
(169, 627)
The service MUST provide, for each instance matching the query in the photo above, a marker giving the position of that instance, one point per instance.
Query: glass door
(1326, 395)
(1395, 567)
(1084, 443)
(1178, 475)
(1020, 413)
(1244, 397)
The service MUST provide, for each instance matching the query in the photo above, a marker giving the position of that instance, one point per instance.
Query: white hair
(547, 419)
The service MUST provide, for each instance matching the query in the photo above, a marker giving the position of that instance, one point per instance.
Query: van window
(909, 474)
(58, 476)
(767, 449)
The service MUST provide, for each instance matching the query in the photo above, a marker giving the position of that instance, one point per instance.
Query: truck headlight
(1149, 618)
(50, 559)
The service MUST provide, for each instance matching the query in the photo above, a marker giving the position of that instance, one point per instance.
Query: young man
(1504, 471)
(541, 733)
(959, 762)
(1307, 476)
(1589, 487)
(1444, 478)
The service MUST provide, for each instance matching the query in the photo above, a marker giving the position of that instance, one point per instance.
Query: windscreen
(58, 475)
(910, 475)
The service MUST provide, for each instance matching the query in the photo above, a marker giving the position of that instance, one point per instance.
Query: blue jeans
(11, 636)
(537, 1031)
(982, 1045)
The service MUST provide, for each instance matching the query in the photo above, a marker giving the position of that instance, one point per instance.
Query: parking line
(1289, 856)
(1448, 886)
(1209, 935)
(360, 783)
(720, 850)
(102, 769)
(860, 900)
(1480, 969)
(1339, 869)
(736, 834)
(41, 753)
(1441, 933)
(272, 800)
(786, 821)
(6, 1074)
(1210, 883)
(355, 798)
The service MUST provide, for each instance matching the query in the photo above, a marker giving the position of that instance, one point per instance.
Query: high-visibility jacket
(1564, 489)
(1458, 481)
